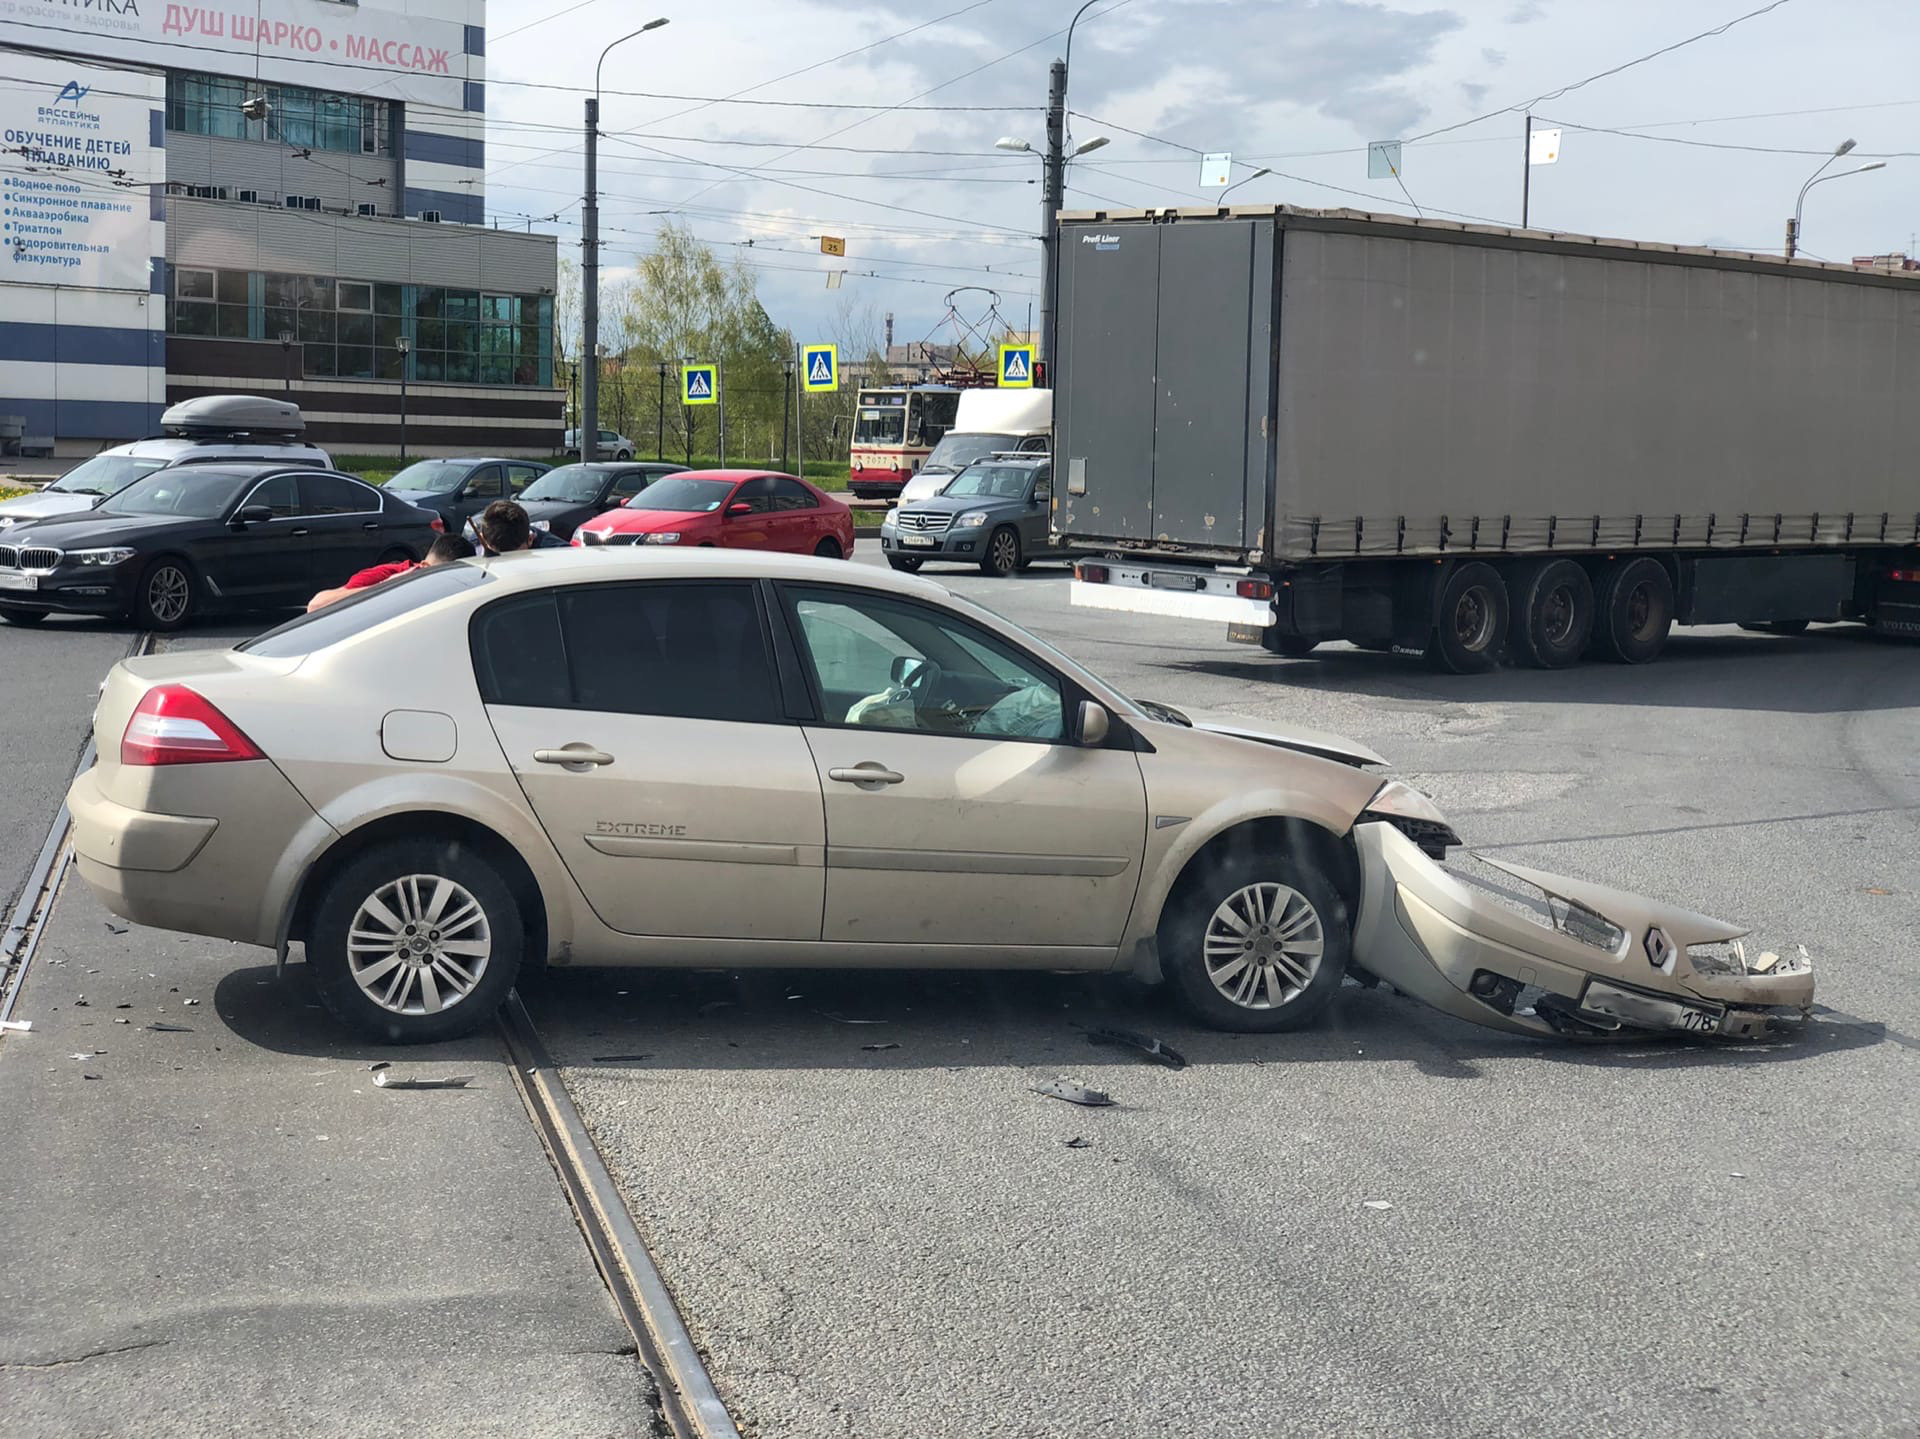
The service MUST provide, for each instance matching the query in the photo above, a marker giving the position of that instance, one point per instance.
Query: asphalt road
(900, 1241)
(1667, 1238)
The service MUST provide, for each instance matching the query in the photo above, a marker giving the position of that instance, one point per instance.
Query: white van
(214, 427)
(989, 422)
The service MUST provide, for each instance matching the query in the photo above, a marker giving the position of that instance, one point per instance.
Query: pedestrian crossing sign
(820, 367)
(1016, 367)
(699, 385)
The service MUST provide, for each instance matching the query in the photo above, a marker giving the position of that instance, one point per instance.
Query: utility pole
(1052, 197)
(660, 419)
(720, 384)
(589, 425)
(800, 411)
(786, 418)
(1526, 171)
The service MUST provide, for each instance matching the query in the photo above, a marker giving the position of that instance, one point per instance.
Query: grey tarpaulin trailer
(1469, 440)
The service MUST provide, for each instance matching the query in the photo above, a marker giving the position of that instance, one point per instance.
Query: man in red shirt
(444, 550)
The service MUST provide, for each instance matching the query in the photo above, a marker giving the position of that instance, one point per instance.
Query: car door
(753, 529)
(644, 725)
(958, 809)
(796, 521)
(1036, 519)
(344, 517)
(486, 484)
(263, 562)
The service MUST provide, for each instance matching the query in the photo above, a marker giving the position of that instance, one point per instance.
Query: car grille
(13, 557)
(923, 522)
(606, 537)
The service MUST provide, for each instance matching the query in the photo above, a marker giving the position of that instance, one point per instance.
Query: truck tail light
(1254, 589)
(1090, 574)
(174, 725)
(1908, 577)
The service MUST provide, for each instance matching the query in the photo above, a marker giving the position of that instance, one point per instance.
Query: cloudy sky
(1722, 131)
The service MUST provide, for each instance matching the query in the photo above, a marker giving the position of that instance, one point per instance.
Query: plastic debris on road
(1379, 1204)
(159, 1028)
(1075, 1094)
(386, 1080)
(1078, 1143)
(1147, 1048)
(876, 1048)
(17, 1026)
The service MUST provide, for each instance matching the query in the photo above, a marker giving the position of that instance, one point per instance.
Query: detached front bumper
(1440, 940)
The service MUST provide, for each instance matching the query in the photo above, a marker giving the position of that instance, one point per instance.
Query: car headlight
(114, 556)
(1588, 926)
(544, 526)
(1728, 958)
(972, 520)
(1414, 815)
(668, 537)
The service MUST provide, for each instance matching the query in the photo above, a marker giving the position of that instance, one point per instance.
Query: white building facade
(289, 199)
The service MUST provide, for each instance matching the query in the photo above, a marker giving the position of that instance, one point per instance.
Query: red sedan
(736, 509)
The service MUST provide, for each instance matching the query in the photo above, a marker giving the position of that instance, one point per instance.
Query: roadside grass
(14, 492)
(378, 469)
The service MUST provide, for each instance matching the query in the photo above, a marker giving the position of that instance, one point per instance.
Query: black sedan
(564, 499)
(194, 538)
(457, 490)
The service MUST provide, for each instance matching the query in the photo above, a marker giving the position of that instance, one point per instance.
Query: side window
(693, 651)
(792, 495)
(336, 495)
(278, 493)
(485, 484)
(893, 665)
(629, 485)
(520, 476)
(607, 437)
(758, 493)
(518, 656)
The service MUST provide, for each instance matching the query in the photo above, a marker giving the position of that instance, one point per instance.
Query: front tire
(26, 619)
(415, 941)
(166, 597)
(1256, 943)
(905, 564)
(1003, 553)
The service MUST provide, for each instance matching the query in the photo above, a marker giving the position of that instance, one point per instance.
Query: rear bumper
(219, 874)
(1181, 592)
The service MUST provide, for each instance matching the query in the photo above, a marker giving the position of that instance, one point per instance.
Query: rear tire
(1634, 614)
(1003, 553)
(1552, 614)
(26, 619)
(905, 565)
(1292, 647)
(828, 549)
(1256, 943)
(1470, 621)
(166, 597)
(460, 957)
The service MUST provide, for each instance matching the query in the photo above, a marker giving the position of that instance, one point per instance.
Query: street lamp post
(1238, 183)
(401, 345)
(1052, 198)
(286, 358)
(589, 419)
(1820, 178)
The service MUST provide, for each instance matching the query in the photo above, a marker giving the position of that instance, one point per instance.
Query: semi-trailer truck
(1478, 444)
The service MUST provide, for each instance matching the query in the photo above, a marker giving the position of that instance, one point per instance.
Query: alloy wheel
(1006, 552)
(419, 944)
(169, 591)
(1264, 945)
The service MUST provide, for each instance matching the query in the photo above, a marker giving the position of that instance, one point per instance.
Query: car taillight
(437, 525)
(1254, 589)
(1907, 577)
(1090, 574)
(174, 725)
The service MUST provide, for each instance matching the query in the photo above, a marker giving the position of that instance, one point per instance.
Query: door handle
(371, 525)
(298, 533)
(868, 774)
(577, 757)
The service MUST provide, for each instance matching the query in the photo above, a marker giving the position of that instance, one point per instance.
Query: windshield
(196, 494)
(431, 477)
(957, 451)
(994, 482)
(576, 484)
(880, 425)
(363, 609)
(103, 475)
(684, 496)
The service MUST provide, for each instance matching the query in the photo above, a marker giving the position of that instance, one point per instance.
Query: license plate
(1698, 1021)
(14, 580)
(1244, 634)
(918, 542)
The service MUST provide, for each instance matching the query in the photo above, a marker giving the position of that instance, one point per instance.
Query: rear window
(376, 604)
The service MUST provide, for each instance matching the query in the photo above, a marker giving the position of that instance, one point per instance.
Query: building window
(307, 119)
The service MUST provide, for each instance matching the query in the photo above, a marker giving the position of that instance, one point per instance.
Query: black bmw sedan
(196, 538)
(564, 499)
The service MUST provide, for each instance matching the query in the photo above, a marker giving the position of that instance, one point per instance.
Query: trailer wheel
(1552, 614)
(1293, 647)
(1470, 621)
(1635, 612)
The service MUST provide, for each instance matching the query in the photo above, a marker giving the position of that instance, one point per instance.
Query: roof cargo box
(232, 415)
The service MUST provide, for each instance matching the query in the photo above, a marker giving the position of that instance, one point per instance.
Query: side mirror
(1043, 494)
(252, 514)
(903, 669)
(739, 507)
(1094, 725)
